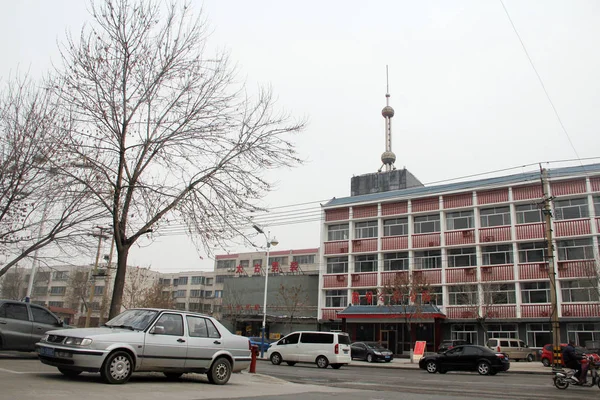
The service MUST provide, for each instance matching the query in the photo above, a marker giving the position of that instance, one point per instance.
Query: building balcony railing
(577, 269)
(501, 311)
(533, 271)
(335, 281)
(330, 313)
(597, 224)
(394, 243)
(574, 227)
(454, 275)
(337, 247)
(535, 310)
(430, 276)
(580, 310)
(461, 312)
(497, 234)
(490, 273)
(389, 277)
(459, 237)
(426, 240)
(530, 231)
(364, 245)
(362, 279)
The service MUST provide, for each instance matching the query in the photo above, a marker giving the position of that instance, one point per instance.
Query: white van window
(343, 339)
(522, 344)
(310, 337)
(290, 339)
(504, 343)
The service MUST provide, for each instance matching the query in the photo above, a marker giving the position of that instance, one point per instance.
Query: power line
(541, 81)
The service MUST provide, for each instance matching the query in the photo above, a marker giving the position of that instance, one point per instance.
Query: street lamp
(270, 242)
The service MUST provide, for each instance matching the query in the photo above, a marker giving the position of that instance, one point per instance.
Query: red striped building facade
(481, 248)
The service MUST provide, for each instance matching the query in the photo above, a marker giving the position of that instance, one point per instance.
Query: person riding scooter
(572, 360)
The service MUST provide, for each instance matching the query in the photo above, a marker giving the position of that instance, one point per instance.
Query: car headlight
(377, 353)
(78, 341)
(44, 338)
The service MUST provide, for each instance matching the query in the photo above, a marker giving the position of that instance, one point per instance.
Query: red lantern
(257, 307)
(369, 297)
(396, 296)
(426, 297)
(413, 296)
(355, 298)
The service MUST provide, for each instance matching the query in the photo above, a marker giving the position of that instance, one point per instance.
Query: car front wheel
(276, 358)
(546, 362)
(483, 368)
(219, 372)
(530, 358)
(322, 362)
(431, 367)
(117, 368)
(369, 357)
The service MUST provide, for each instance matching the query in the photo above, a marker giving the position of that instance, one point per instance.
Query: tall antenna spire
(388, 157)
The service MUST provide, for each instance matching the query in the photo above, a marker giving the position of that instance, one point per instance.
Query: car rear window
(344, 339)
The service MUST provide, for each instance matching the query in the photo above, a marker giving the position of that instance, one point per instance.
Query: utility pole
(100, 236)
(547, 211)
(107, 281)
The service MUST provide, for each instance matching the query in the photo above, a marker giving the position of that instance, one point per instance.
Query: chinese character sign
(239, 269)
(257, 268)
(294, 266)
(275, 266)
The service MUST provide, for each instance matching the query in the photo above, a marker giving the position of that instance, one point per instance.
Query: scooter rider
(572, 359)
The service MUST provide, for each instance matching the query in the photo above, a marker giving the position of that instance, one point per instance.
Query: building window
(195, 306)
(225, 264)
(499, 293)
(336, 298)
(209, 281)
(280, 260)
(465, 257)
(529, 213)
(56, 304)
(337, 265)
(395, 227)
(362, 296)
(575, 249)
(579, 291)
(597, 205)
(257, 263)
(245, 263)
(175, 282)
(365, 263)
(539, 335)
(165, 282)
(534, 252)
(220, 278)
(535, 292)
(208, 294)
(495, 216)
(197, 280)
(57, 290)
(427, 259)
(40, 290)
(180, 306)
(502, 331)
(460, 220)
(306, 259)
(98, 290)
(337, 232)
(571, 208)
(497, 254)
(462, 295)
(395, 262)
(180, 293)
(183, 280)
(466, 332)
(584, 333)
(195, 293)
(219, 294)
(435, 296)
(206, 308)
(42, 276)
(363, 230)
(427, 223)
(60, 276)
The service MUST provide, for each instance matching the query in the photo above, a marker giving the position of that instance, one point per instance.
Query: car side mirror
(60, 323)
(157, 330)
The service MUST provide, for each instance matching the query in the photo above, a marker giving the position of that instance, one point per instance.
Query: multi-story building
(200, 291)
(481, 248)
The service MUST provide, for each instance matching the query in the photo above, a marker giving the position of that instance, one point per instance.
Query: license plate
(46, 351)
(345, 351)
(387, 357)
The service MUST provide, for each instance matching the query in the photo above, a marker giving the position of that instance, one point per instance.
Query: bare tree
(405, 295)
(156, 296)
(292, 299)
(233, 304)
(78, 288)
(31, 133)
(163, 125)
(138, 283)
(13, 285)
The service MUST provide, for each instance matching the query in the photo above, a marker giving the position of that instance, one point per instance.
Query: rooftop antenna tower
(388, 158)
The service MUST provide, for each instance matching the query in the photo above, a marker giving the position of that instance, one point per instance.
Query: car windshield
(375, 346)
(132, 319)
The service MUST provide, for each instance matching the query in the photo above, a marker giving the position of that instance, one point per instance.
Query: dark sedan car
(371, 352)
(466, 358)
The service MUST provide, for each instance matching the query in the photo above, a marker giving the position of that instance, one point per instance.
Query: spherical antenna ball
(387, 111)
(388, 157)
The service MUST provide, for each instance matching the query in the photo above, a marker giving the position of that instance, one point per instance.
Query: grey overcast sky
(466, 98)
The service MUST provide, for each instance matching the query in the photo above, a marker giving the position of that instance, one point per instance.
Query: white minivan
(322, 348)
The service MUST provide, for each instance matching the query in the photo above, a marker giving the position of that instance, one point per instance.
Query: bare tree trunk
(119, 285)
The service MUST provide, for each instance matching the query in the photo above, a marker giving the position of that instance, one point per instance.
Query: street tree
(13, 285)
(39, 205)
(292, 300)
(78, 288)
(157, 295)
(174, 139)
(138, 285)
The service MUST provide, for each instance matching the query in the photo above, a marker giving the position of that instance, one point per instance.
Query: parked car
(169, 341)
(466, 358)
(24, 324)
(370, 351)
(321, 348)
(257, 340)
(546, 355)
(448, 344)
(515, 348)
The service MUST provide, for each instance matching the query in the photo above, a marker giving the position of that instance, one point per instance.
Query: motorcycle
(564, 378)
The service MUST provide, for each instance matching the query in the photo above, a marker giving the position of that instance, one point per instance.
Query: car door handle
(217, 342)
(180, 340)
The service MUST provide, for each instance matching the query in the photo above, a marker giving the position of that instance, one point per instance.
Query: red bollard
(254, 351)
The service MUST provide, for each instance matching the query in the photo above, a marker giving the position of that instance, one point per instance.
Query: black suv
(448, 344)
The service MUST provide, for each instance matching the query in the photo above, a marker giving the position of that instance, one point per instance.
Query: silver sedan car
(169, 341)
